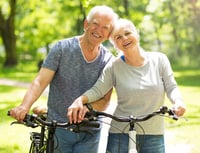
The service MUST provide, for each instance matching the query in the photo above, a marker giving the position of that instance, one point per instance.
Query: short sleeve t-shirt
(73, 75)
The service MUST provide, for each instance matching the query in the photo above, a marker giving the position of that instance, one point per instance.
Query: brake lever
(28, 121)
(28, 124)
(16, 122)
(173, 114)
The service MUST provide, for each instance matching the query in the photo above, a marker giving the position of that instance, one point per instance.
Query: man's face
(99, 28)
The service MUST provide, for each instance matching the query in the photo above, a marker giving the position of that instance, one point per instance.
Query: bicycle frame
(132, 141)
(38, 143)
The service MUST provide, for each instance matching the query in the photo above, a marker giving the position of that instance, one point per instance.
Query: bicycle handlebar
(163, 110)
(32, 120)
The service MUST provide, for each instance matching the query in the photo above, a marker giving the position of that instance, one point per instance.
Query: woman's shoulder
(156, 55)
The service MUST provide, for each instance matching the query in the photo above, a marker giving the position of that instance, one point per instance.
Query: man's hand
(19, 113)
(76, 111)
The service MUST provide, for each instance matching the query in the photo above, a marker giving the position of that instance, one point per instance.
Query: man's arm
(102, 103)
(36, 88)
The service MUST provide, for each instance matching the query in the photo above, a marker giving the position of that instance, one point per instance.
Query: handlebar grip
(85, 126)
(90, 124)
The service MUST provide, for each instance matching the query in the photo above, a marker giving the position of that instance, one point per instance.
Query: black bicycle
(43, 141)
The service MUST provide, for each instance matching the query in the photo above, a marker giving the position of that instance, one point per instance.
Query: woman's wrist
(84, 99)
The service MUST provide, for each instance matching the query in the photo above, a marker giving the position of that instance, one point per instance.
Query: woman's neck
(135, 57)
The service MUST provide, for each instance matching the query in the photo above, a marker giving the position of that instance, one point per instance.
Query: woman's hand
(77, 110)
(179, 108)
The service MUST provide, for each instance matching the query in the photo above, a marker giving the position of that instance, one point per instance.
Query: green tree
(165, 25)
(7, 30)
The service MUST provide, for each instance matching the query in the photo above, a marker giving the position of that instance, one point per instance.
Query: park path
(170, 148)
(9, 82)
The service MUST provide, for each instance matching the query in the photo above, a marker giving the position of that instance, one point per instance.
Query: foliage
(165, 25)
(173, 23)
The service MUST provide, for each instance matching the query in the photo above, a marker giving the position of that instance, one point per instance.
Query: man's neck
(90, 51)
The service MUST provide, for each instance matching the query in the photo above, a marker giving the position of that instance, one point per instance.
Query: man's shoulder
(70, 40)
(67, 44)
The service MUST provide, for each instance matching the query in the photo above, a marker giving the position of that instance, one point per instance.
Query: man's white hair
(103, 9)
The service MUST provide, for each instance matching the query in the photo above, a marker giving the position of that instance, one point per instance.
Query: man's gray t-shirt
(73, 75)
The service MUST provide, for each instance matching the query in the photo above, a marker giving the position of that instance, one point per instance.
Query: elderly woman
(141, 80)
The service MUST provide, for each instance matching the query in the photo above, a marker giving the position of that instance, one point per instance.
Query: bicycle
(43, 141)
(92, 116)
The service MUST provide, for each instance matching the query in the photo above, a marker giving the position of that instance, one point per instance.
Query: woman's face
(125, 37)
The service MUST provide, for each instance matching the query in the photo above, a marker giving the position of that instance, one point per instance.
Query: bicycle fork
(132, 139)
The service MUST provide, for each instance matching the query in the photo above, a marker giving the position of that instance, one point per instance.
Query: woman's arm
(171, 88)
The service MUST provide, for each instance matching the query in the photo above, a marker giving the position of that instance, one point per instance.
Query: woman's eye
(106, 28)
(118, 37)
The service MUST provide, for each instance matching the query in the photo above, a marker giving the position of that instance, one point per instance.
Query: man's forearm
(102, 103)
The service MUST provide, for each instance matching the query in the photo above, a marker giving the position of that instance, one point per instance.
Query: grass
(15, 139)
(185, 132)
(24, 71)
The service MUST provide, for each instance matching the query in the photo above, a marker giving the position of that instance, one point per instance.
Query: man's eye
(94, 23)
(127, 33)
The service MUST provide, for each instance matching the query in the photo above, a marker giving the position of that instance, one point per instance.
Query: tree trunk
(174, 30)
(126, 3)
(7, 29)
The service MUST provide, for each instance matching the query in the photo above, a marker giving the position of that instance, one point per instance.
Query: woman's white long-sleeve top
(140, 90)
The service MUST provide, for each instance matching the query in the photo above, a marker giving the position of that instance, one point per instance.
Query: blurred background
(29, 28)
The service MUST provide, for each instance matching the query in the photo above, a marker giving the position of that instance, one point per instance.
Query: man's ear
(85, 26)
(109, 35)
